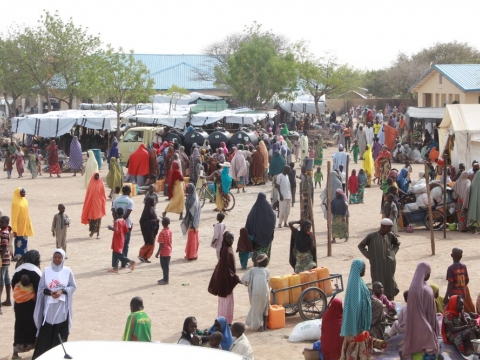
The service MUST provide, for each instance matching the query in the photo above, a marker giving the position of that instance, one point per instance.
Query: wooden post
(329, 213)
(427, 180)
(445, 214)
(346, 192)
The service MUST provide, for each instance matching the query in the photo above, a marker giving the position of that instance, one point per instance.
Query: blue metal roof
(179, 70)
(465, 76)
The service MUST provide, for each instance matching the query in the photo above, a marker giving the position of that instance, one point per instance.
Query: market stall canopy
(184, 99)
(142, 109)
(303, 103)
(423, 114)
(203, 106)
(173, 121)
(232, 116)
(462, 122)
(57, 123)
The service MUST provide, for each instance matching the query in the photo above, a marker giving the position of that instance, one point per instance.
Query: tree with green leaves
(325, 76)
(175, 93)
(121, 79)
(257, 70)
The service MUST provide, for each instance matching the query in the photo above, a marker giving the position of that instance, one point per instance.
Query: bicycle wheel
(312, 303)
(231, 205)
(437, 220)
(201, 197)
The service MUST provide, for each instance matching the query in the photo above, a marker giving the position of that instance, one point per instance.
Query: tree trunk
(47, 98)
(118, 125)
(317, 109)
(70, 102)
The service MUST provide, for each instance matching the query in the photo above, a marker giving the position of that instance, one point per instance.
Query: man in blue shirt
(188, 128)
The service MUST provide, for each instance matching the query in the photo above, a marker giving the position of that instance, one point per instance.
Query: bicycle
(204, 192)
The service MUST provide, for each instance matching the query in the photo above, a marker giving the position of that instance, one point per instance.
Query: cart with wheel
(312, 302)
(422, 217)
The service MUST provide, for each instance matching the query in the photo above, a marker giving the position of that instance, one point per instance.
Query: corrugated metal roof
(180, 70)
(465, 76)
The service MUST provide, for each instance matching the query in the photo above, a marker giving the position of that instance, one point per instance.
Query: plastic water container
(294, 279)
(276, 283)
(323, 273)
(98, 157)
(276, 317)
(159, 184)
(307, 276)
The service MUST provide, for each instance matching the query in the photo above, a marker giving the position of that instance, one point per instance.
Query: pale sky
(366, 34)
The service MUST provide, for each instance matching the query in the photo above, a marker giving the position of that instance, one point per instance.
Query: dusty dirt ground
(101, 301)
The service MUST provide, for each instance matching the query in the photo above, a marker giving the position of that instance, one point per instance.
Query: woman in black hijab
(261, 226)
(149, 228)
(303, 251)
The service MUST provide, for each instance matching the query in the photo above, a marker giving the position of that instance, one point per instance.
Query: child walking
(165, 250)
(244, 248)
(5, 258)
(318, 177)
(8, 164)
(457, 277)
(119, 229)
(356, 150)
(390, 211)
(116, 193)
(60, 223)
(218, 230)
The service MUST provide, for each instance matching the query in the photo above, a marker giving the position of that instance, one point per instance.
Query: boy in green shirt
(318, 177)
(356, 151)
(138, 327)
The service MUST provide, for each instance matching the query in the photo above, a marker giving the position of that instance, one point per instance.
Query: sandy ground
(101, 302)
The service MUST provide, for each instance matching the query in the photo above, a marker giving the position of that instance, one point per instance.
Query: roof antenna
(63, 347)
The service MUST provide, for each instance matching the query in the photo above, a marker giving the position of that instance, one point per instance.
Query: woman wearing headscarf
(461, 193)
(357, 316)
(260, 225)
(335, 183)
(54, 308)
(33, 163)
(473, 215)
(383, 165)
(149, 228)
(25, 300)
(162, 147)
(184, 159)
(368, 164)
(113, 153)
(20, 222)
(139, 162)
(195, 161)
(114, 176)
(53, 164)
(402, 180)
(175, 192)
(277, 163)
(458, 328)
(168, 162)
(153, 163)
(191, 223)
(224, 279)
(94, 205)
(285, 131)
(362, 182)
(206, 146)
(90, 168)
(223, 327)
(354, 197)
(19, 161)
(75, 161)
(331, 340)
(178, 159)
(421, 326)
(339, 207)
(238, 170)
(223, 182)
(244, 248)
(264, 151)
(224, 148)
(439, 306)
(303, 250)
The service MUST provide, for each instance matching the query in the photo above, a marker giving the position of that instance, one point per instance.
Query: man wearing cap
(381, 247)
(340, 158)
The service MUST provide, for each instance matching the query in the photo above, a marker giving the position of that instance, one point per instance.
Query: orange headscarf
(450, 310)
(390, 136)
(95, 200)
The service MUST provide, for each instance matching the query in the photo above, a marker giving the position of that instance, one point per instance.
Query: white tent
(174, 121)
(244, 116)
(57, 123)
(463, 122)
(184, 99)
(303, 103)
(142, 109)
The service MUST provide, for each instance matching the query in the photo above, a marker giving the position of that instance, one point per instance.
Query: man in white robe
(370, 134)
(361, 138)
(340, 158)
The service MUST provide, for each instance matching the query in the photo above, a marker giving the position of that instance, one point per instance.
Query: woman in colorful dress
(94, 205)
(75, 161)
(258, 168)
(19, 161)
(91, 167)
(260, 225)
(32, 163)
(357, 316)
(354, 197)
(195, 162)
(458, 328)
(223, 182)
(191, 223)
(53, 164)
(264, 151)
(185, 160)
(461, 192)
(362, 182)
(238, 170)
(368, 164)
(168, 162)
(114, 176)
(383, 165)
(318, 159)
(339, 207)
(20, 222)
(175, 192)
(303, 250)
(224, 279)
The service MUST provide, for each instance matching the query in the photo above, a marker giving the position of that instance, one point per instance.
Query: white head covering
(58, 268)
(386, 221)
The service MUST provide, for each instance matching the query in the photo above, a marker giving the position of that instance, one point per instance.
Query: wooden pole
(445, 214)
(346, 192)
(427, 180)
(329, 213)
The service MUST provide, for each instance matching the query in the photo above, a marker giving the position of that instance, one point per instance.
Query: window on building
(440, 78)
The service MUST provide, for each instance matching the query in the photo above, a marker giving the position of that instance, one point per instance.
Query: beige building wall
(440, 93)
(472, 97)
